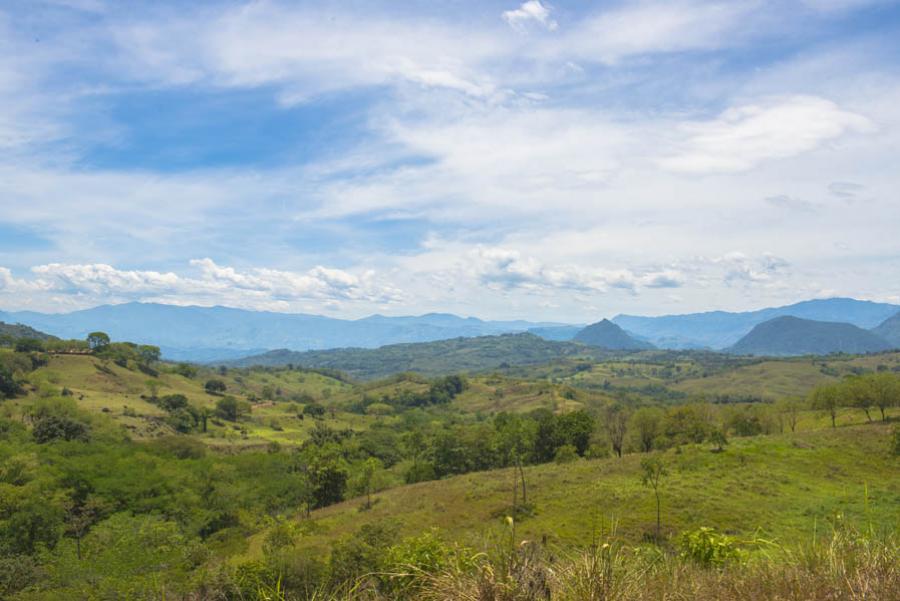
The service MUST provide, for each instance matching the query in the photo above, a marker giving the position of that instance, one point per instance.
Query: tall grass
(847, 566)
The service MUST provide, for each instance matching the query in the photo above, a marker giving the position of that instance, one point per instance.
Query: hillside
(429, 358)
(720, 329)
(787, 336)
(211, 333)
(889, 330)
(607, 335)
(21, 331)
(775, 487)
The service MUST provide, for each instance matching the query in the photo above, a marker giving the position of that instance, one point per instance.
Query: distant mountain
(20, 331)
(429, 358)
(560, 333)
(210, 333)
(607, 335)
(889, 330)
(787, 335)
(719, 329)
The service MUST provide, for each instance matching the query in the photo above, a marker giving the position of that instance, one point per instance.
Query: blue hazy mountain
(787, 336)
(607, 335)
(213, 333)
(889, 330)
(720, 329)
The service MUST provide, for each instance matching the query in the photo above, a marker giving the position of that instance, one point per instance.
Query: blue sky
(543, 160)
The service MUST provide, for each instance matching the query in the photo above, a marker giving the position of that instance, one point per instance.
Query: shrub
(895, 440)
(215, 387)
(708, 548)
(565, 454)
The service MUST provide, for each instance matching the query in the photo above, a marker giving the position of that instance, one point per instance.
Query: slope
(430, 358)
(786, 336)
(607, 335)
(889, 330)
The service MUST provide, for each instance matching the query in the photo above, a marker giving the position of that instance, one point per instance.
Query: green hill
(791, 336)
(777, 487)
(430, 358)
(889, 330)
(607, 335)
(16, 331)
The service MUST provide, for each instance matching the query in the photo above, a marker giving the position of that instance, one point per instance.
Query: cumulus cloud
(509, 269)
(530, 12)
(743, 136)
(739, 268)
(254, 288)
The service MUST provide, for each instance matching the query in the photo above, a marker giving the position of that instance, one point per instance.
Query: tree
(368, 474)
(790, 408)
(653, 470)
(98, 341)
(717, 437)
(29, 345)
(827, 398)
(148, 354)
(616, 427)
(885, 390)
(230, 408)
(645, 423)
(215, 387)
(9, 385)
(575, 429)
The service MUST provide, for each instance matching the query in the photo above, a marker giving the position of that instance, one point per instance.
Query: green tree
(215, 387)
(653, 470)
(646, 425)
(616, 425)
(885, 390)
(230, 408)
(828, 398)
(98, 341)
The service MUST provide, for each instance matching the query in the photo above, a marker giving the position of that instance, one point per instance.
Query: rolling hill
(607, 335)
(889, 330)
(787, 336)
(720, 329)
(429, 358)
(20, 331)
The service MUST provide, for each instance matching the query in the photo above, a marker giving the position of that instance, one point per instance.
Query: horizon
(530, 158)
(609, 317)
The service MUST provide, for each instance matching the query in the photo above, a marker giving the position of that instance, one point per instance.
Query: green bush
(708, 548)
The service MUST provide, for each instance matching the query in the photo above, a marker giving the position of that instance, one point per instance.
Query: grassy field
(782, 487)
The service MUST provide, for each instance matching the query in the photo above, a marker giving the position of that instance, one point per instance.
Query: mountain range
(721, 329)
(218, 333)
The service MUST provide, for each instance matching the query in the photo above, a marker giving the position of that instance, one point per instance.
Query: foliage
(708, 548)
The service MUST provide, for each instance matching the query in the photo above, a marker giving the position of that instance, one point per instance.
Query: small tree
(230, 408)
(652, 473)
(827, 398)
(616, 427)
(646, 425)
(215, 387)
(718, 438)
(98, 341)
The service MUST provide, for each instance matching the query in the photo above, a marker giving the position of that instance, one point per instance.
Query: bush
(215, 387)
(895, 440)
(565, 454)
(708, 548)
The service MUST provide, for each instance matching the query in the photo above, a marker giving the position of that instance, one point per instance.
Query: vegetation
(429, 358)
(122, 476)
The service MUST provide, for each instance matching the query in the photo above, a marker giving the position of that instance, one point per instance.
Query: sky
(560, 161)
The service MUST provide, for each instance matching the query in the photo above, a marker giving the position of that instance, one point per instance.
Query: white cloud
(253, 288)
(508, 269)
(743, 136)
(532, 11)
